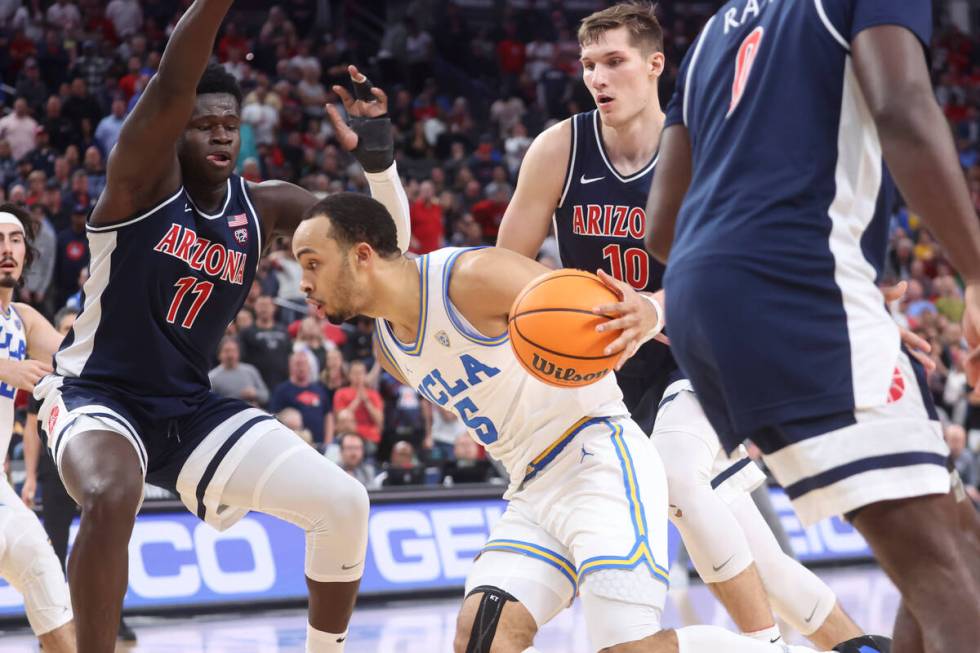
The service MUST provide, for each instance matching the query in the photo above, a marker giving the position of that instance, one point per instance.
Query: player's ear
(655, 63)
(363, 253)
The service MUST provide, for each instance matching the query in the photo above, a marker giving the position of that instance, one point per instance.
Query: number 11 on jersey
(184, 285)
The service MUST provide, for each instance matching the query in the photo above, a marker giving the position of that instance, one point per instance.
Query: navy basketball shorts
(190, 448)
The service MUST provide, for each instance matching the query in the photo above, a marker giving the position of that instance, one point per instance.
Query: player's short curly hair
(356, 218)
(639, 19)
(22, 214)
(218, 80)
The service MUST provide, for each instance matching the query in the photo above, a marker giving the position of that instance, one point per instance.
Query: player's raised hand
(368, 135)
(636, 317)
(24, 374)
(971, 331)
(918, 346)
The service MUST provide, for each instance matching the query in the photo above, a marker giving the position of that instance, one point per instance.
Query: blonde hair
(639, 19)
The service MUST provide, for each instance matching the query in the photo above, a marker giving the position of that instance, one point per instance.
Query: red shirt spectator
(366, 403)
(511, 53)
(490, 212)
(426, 215)
(231, 39)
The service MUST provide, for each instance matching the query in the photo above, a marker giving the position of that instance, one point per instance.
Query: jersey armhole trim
(459, 323)
(142, 216)
(830, 26)
(386, 352)
(255, 217)
(690, 68)
(571, 161)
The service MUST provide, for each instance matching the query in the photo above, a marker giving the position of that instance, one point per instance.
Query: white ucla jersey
(514, 415)
(13, 346)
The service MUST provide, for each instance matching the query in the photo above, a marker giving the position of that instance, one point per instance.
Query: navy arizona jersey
(787, 181)
(162, 289)
(600, 223)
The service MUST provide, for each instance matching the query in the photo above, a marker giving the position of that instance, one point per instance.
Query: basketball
(552, 328)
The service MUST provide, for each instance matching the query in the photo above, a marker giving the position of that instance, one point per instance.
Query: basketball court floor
(427, 626)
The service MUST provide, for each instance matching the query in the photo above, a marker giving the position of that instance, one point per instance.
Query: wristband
(655, 331)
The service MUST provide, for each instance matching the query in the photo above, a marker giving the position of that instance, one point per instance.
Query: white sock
(711, 639)
(768, 635)
(318, 641)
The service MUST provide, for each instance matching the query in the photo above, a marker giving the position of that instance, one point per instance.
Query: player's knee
(505, 627)
(343, 501)
(29, 563)
(105, 501)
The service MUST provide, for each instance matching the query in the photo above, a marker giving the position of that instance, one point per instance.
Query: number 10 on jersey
(631, 266)
(202, 290)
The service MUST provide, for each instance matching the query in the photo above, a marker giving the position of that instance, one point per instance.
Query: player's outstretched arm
(667, 191)
(919, 151)
(540, 184)
(142, 167)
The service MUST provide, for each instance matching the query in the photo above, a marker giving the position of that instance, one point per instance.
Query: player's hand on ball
(24, 374)
(635, 316)
(918, 346)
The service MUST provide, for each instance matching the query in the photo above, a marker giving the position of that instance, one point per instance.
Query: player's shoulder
(555, 139)
(27, 313)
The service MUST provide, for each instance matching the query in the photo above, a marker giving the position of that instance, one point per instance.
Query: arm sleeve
(386, 187)
(915, 15)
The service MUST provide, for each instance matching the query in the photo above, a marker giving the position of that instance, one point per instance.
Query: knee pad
(487, 617)
(621, 605)
(29, 564)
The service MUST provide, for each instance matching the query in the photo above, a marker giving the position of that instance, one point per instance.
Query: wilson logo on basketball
(897, 388)
(564, 374)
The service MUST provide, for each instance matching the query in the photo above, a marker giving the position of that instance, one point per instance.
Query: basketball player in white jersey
(27, 560)
(607, 158)
(588, 503)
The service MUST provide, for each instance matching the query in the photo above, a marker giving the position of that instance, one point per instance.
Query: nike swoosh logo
(718, 568)
(812, 612)
(346, 567)
(773, 641)
(583, 180)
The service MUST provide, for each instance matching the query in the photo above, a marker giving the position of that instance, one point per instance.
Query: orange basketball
(552, 328)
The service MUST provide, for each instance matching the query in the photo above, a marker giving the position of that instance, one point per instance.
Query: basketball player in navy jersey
(27, 560)
(176, 238)
(770, 167)
(590, 175)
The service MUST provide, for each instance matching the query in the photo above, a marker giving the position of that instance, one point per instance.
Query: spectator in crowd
(266, 344)
(364, 402)
(292, 419)
(352, 459)
(963, 460)
(359, 345)
(126, 16)
(306, 394)
(64, 15)
(94, 171)
(466, 465)
(43, 156)
(31, 87)
(334, 374)
(427, 223)
(403, 468)
(80, 106)
(19, 129)
(107, 132)
(235, 379)
(446, 429)
(60, 130)
(37, 280)
(309, 339)
(73, 255)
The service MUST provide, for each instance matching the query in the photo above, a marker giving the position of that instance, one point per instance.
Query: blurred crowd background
(470, 84)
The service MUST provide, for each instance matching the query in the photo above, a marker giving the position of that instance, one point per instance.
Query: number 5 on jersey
(746, 56)
(184, 285)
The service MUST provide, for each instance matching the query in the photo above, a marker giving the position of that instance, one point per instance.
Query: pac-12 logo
(744, 60)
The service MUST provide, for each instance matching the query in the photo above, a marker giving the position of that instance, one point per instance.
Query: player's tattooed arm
(539, 189)
(667, 191)
(143, 168)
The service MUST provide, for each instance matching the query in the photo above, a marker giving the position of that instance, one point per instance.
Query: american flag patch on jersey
(239, 220)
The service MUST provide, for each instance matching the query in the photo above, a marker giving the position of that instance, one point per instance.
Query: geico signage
(826, 540)
(423, 544)
(177, 556)
(170, 558)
